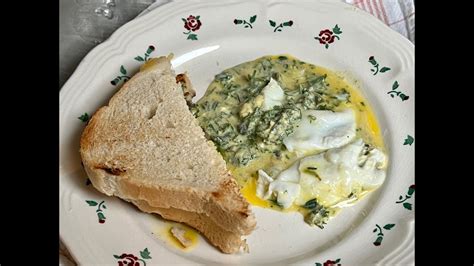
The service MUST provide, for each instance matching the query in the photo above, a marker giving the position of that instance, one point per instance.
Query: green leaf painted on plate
(145, 254)
(91, 203)
(117, 256)
(238, 21)
(192, 37)
(384, 69)
(253, 18)
(123, 70)
(407, 205)
(388, 226)
(272, 23)
(395, 85)
(336, 30)
(84, 118)
(139, 58)
(409, 140)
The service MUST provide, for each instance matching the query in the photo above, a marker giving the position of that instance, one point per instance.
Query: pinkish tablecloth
(397, 14)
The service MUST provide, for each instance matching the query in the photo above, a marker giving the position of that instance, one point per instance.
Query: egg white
(336, 178)
(321, 130)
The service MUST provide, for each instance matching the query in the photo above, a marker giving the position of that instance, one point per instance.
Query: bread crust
(226, 241)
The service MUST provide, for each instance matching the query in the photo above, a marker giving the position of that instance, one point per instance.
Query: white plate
(279, 238)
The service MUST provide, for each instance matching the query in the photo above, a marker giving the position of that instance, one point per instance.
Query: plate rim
(89, 57)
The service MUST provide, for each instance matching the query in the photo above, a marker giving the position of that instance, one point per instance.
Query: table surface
(81, 29)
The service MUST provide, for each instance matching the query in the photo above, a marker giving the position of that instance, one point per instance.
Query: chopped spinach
(318, 215)
(224, 77)
(241, 136)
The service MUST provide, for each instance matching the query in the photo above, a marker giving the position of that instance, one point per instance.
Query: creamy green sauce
(236, 91)
(250, 137)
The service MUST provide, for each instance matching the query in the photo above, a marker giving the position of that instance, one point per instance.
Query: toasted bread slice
(146, 147)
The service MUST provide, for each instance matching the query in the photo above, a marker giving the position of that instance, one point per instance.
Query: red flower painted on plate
(128, 260)
(132, 260)
(326, 36)
(329, 263)
(192, 23)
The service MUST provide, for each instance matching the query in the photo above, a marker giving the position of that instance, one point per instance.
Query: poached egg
(322, 130)
(335, 178)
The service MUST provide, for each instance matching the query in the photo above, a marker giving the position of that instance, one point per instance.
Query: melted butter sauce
(191, 234)
(367, 125)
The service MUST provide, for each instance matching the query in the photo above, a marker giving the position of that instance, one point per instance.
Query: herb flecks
(224, 77)
(274, 201)
(239, 125)
(312, 171)
(318, 215)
